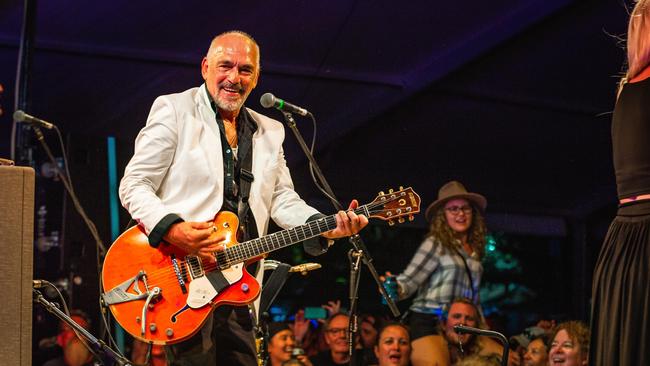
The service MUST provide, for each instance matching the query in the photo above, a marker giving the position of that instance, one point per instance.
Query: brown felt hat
(451, 190)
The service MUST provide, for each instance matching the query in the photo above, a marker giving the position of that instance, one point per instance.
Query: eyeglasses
(455, 210)
(336, 330)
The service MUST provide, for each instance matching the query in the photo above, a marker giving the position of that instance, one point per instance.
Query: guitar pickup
(194, 266)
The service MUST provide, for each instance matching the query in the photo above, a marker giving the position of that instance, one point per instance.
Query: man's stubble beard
(230, 106)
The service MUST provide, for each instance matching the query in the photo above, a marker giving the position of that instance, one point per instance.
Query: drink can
(391, 288)
(297, 351)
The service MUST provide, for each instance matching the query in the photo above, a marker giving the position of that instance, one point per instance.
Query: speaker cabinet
(16, 244)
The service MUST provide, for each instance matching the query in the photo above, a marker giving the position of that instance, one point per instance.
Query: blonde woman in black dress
(620, 324)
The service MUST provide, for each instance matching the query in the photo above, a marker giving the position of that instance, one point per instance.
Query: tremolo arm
(120, 294)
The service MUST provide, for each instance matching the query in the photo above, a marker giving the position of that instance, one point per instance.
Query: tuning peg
(411, 218)
(381, 193)
(391, 222)
(401, 188)
(390, 190)
(401, 220)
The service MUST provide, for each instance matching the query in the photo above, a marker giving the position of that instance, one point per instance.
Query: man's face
(536, 354)
(280, 346)
(368, 332)
(460, 314)
(336, 335)
(394, 347)
(230, 71)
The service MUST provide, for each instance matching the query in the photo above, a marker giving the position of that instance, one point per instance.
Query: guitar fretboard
(256, 247)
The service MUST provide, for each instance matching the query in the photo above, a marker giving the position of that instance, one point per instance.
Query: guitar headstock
(395, 205)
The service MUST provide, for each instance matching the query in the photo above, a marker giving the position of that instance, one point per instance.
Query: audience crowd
(382, 341)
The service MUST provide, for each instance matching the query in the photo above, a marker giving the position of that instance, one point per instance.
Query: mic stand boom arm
(98, 346)
(462, 329)
(359, 250)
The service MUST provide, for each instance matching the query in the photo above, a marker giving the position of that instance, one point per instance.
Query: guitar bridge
(120, 294)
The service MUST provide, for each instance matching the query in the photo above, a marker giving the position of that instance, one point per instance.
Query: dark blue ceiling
(510, 97)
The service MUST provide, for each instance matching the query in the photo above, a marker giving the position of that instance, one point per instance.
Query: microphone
(39, 284)
(269, 100)
(304, 268)
(463, 329)
(20, 116)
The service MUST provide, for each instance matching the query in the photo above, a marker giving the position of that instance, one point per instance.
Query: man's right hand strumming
(198, 238)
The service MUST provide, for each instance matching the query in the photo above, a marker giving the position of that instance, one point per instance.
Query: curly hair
(439, 230)
(577, 331)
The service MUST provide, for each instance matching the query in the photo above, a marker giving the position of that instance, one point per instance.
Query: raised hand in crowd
(300, 326)
(332, 307)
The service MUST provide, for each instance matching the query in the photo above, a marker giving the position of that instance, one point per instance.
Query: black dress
(620, 319)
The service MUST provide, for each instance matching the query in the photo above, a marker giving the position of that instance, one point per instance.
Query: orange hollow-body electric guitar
(163, 295)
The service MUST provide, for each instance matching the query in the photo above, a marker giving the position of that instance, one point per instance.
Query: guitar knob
(244, 287)
(152, 327)
(169, 332)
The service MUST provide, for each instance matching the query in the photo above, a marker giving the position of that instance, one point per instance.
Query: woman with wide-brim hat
(447, 265)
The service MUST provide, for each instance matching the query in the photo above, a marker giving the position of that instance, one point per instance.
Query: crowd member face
(394, 346)
(536, 354)
(280, 347)
(368, 332)
(458, 213)
(565, 351)
(336, 335)
(230, 70)
(460, 314)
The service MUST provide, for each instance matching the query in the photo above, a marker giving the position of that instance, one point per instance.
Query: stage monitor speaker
(16, 264)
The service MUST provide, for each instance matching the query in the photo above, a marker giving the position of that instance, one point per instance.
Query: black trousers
(227, 339)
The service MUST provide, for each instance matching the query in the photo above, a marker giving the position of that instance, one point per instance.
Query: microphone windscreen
(19, 116)
(267, 100)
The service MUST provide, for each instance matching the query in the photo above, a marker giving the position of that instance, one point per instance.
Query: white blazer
(177, 167)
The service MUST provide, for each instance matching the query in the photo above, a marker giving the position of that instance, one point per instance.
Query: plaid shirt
(439, 276)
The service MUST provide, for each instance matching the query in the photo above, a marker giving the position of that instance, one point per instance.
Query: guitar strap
(468, 271)
(273, 285)
(471, 284)
(246, 178)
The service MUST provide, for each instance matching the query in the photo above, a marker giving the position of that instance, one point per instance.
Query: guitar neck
(256, 247)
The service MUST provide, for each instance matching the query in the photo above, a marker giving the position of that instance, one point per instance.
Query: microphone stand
(359, 250)
(111, 357)
(461, 329)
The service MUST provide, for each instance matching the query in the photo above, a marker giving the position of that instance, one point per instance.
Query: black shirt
(630, 139)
